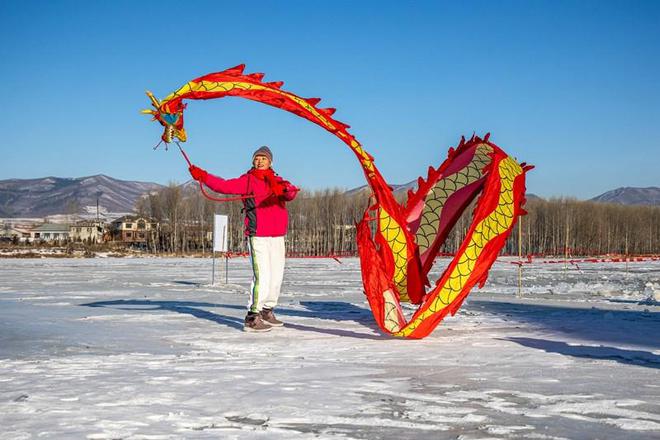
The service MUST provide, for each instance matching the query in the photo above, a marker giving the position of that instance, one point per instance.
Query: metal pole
(226, 267)
(98, 223)
(98, 218)
(213, 270)
(566, 242)
(626, 249)
(520, 263)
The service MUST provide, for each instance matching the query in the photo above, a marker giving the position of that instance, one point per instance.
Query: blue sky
(570, 86)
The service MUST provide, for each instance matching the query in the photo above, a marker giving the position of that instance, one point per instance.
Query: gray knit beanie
(263, 151)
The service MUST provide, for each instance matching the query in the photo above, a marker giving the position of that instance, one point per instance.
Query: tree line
(322, 222)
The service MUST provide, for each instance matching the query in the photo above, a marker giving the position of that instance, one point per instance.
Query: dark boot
(254, 323)
(268, 317)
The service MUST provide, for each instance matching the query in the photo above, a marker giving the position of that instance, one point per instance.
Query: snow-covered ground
(146, 349)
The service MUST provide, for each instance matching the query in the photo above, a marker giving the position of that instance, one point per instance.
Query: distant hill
(631, 196)
(57, 195)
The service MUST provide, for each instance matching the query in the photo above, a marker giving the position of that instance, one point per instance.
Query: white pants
(267, 258)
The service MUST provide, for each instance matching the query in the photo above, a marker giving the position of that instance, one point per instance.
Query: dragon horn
(154, 101)
(147, 112)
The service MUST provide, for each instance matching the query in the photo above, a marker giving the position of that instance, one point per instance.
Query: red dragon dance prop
(398, 252)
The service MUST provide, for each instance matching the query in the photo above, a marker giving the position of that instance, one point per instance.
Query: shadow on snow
(327, 310)
(601, 326)
(631, 357)
(632, 327)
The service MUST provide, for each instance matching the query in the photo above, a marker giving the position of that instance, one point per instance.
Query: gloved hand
(197, 173)
(288, 186)
(288, 192)
(279, 188)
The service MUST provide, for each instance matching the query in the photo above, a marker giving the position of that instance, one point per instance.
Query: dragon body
(397, 256)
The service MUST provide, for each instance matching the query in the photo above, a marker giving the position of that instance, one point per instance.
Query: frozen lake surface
(147, 349)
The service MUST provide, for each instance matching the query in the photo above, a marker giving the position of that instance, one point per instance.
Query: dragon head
(172, 121)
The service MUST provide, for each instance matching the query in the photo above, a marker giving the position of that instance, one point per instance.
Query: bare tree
(323, 223)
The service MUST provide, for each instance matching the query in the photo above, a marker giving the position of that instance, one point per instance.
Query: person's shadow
(326, 310)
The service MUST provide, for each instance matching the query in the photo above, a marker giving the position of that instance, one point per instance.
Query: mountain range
(57, 195)
(631, 196)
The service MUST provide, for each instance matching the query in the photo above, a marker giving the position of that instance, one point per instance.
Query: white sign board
(220, 225)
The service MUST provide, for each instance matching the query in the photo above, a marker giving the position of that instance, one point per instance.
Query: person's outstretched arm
(238, 185)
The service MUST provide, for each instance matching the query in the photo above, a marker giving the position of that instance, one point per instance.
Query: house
(21, 234)
(132, 229)
(88, 231)
(50, 232)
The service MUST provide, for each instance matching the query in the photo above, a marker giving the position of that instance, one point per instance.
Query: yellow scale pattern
(396, 239)
(499, 221)
(212, 86)
(391, 320)
(430, 216)
(441, 191)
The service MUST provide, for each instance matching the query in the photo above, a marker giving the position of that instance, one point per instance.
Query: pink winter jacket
(265, 213)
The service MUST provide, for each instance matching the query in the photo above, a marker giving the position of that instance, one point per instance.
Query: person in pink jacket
(266, 220)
